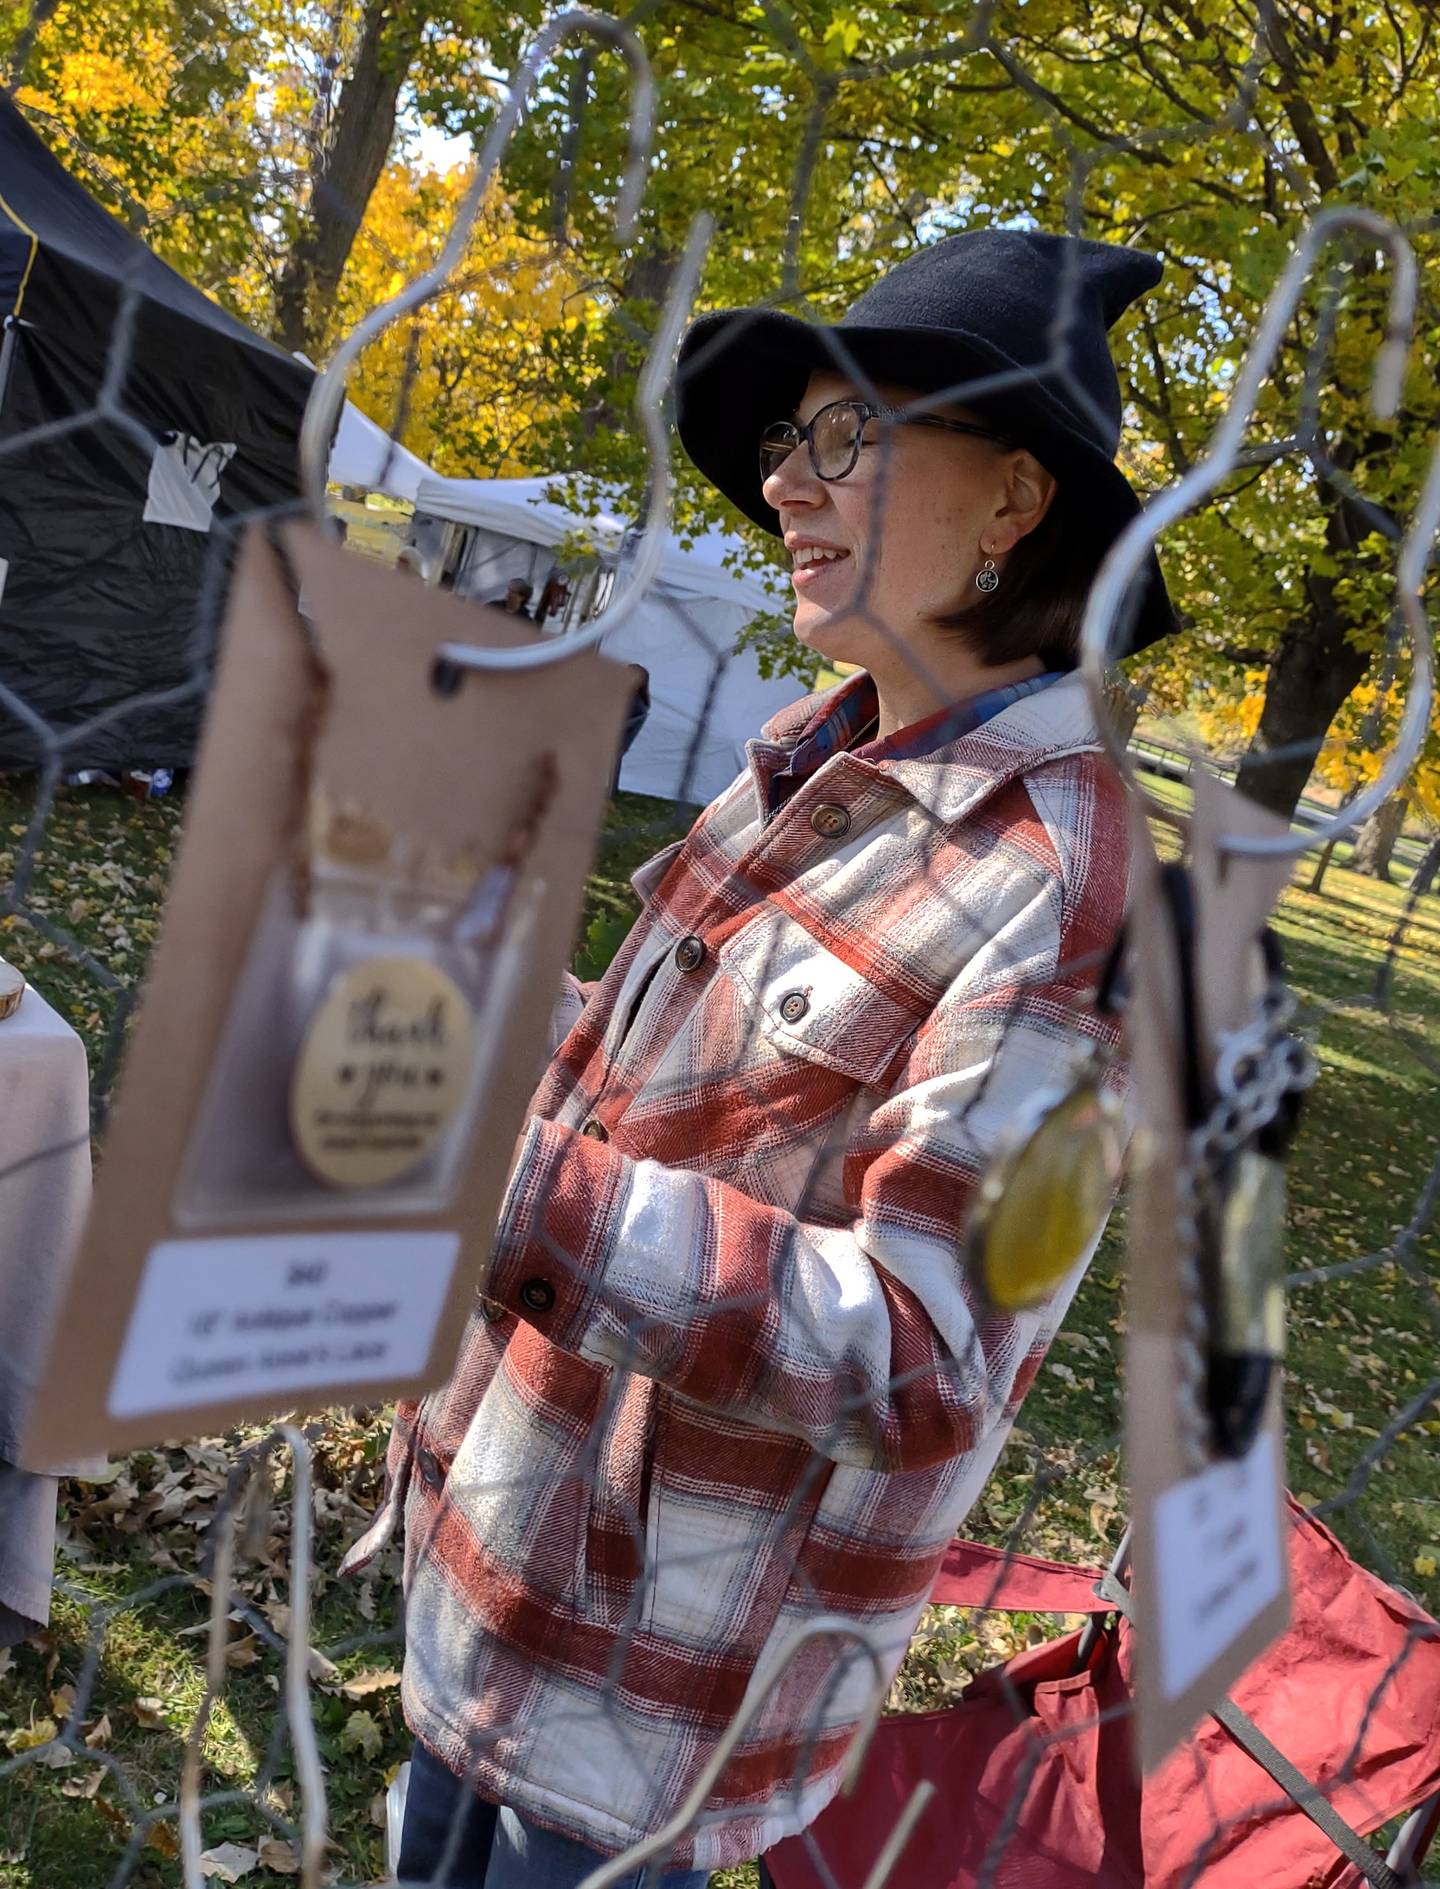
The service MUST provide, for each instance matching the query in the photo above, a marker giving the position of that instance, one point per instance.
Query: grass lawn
(1362, 1346)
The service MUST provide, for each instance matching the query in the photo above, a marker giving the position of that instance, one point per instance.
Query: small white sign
(1219, 1559)
(184, 482)
(256, 1315)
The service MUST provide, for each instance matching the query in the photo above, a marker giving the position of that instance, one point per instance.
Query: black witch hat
(1013, 321)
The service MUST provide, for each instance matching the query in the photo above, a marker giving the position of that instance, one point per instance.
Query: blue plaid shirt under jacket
(843, 722)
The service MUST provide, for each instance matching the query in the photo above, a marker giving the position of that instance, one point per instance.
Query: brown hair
(1038, 607)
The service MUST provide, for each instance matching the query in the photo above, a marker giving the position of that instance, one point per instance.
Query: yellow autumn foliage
(474, 364)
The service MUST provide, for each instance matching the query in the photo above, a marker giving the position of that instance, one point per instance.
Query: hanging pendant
(1045, 1194)
(1245, 1300)
(382, 1071)
(987, 578)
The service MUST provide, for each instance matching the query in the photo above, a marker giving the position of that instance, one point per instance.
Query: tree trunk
(1375, 842)
(1327, 851)
(1313, 672)
(1315, 668)
(610, 407)
(1423, 882)
(1428, 872)
(347, 170)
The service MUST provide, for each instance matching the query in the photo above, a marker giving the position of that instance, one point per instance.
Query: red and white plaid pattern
(728, 1371)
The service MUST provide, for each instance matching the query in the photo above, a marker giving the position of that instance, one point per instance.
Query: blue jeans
(496, 1848)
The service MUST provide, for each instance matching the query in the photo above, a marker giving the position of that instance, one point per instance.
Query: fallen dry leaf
(147, 1712)
(62, 1701)
(1317, 1455)
(163, 1838)
(363, 1684)
(282, 1857)
(84, 1786)
(117, 1818)
(277, 1612)
(98, 1735)
(243, 1652)
(28, 1737)
(228, 1862)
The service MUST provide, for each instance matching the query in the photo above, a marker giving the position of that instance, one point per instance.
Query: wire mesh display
(211, 1698)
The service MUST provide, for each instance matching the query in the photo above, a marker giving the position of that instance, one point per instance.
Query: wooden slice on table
(12, 989)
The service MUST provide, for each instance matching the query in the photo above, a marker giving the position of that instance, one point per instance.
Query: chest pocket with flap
(810, 1003)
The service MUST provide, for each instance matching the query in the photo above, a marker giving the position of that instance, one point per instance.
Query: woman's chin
(836, 638)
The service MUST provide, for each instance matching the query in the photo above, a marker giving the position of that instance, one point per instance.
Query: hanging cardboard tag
(1210, 1586)
(259, 1239)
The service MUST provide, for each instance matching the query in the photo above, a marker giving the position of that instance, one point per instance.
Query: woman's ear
(1029, 489)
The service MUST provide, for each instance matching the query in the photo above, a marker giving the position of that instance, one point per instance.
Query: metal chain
(1256, 1068)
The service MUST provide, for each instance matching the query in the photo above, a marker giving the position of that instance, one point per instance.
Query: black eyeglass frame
(866, 411)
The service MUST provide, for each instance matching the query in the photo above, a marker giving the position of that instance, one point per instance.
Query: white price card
(278, 1314)
(1219, 1560)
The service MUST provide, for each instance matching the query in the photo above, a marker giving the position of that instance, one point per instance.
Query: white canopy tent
(364, 455)
(706, 698)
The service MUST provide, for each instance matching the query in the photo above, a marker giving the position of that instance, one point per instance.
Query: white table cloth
(44, 1195)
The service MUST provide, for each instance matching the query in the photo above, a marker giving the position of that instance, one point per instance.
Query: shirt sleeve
(571, 1000)
(866, 1338)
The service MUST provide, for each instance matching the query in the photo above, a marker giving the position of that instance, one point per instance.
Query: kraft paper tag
(171, 1325)
(1209, 1570)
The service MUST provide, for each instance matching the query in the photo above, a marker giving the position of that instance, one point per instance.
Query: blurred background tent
(364, 457)
(105, 527)
(707, 697)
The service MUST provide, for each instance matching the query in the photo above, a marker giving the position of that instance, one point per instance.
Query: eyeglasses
(837, 432)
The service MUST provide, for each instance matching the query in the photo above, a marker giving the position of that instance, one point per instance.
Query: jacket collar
(952, 780)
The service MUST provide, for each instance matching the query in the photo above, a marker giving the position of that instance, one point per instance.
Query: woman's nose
(793, 482)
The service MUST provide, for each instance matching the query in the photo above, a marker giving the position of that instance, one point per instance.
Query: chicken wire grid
(210, 1699)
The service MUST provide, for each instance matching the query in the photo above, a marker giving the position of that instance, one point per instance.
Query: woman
(728, 1371)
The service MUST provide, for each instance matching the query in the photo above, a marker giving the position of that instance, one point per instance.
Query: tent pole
(7, 356)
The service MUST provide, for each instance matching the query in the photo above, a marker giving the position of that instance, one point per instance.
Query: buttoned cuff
(556, 1229)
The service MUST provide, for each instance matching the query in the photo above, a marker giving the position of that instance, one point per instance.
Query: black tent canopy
(106, 529)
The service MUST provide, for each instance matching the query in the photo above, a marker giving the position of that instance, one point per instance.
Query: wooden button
(690, 954)
(829, 821)
(538, 1295)
(597, 1131)
(793, 1005)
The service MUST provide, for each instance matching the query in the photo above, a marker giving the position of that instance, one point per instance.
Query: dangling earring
(987, 578)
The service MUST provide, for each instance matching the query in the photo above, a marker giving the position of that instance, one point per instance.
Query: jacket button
(690, 954)
(430, 1472)
(793, 1005)
(537, 1294)
(829, 821)
(597, 1131)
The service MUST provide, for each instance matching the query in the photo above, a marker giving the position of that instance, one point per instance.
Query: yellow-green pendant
(1045, 1195)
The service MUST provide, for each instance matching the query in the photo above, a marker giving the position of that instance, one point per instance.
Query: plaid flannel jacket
(727, 1372)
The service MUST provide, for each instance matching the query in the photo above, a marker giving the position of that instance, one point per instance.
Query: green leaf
(362, 1734)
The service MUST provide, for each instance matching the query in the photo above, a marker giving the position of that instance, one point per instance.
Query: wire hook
(762, 1683)
(322, 410)
(308, 1770)
(1124, 558)
(649, 395)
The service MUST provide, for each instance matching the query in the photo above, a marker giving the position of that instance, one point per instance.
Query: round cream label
(381, 1072)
